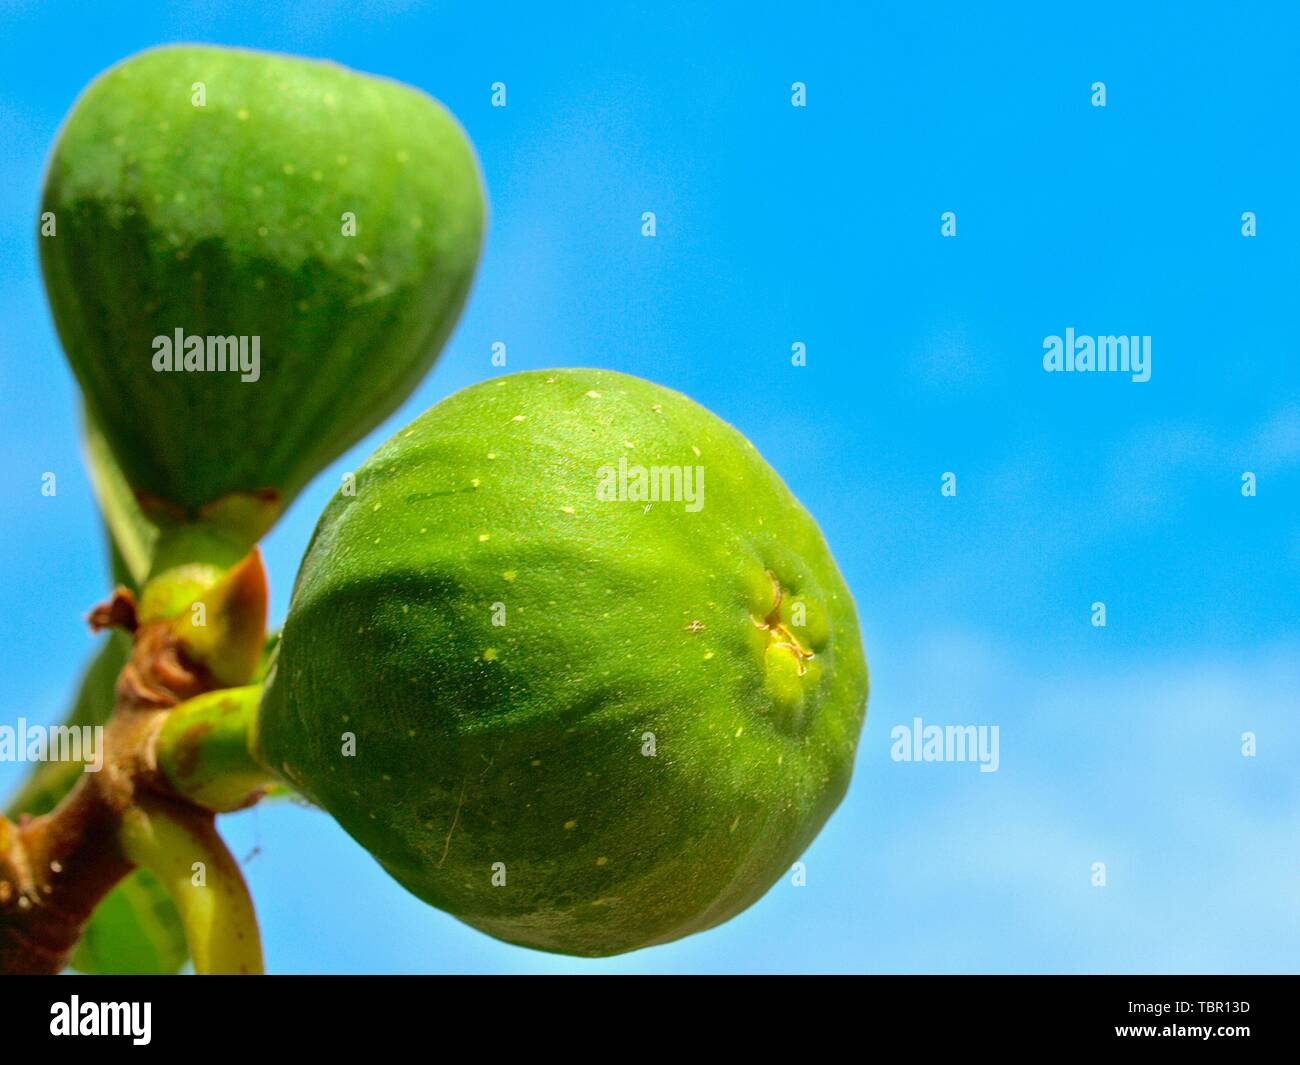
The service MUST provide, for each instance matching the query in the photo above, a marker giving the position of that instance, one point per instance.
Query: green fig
(573, 664)
(251, 260)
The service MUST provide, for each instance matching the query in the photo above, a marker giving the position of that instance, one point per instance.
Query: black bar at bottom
(611, 1016)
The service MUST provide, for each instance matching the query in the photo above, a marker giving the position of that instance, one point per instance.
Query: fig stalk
(206, 750)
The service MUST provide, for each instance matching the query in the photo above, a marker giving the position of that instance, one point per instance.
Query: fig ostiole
(251, 260)
(573, 664)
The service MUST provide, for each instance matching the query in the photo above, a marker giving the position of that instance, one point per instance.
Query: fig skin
(226, 220)
(528, 744)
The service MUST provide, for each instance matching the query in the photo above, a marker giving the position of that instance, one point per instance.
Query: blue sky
(821, 225)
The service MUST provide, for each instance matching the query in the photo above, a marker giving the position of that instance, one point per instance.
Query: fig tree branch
(55, 868)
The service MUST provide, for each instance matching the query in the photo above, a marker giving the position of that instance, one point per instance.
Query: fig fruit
(573, 664)
(251, 260)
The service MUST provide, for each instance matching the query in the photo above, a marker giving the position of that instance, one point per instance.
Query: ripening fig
(251, 260)
(573, 664)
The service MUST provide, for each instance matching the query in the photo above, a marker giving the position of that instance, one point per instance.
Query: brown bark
(55, 869)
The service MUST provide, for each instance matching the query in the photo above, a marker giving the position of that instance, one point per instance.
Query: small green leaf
(135, 931)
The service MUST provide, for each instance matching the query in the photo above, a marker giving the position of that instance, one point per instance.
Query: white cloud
(1139, 768)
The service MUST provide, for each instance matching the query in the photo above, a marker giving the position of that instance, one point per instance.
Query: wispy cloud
(1139, 768)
